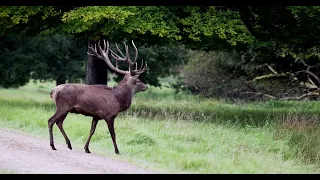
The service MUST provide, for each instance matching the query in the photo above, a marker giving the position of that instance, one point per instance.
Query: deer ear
(135, 78)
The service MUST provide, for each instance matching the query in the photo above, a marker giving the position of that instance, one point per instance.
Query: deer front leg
(110, 123)
(60, 126)
(93, 128)
(56, 117)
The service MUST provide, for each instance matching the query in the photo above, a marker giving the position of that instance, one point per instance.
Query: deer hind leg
(110, 123)
(93, 128)
(60, 126)
(56, 117)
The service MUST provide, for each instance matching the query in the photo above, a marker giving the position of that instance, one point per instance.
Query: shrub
(202, 75)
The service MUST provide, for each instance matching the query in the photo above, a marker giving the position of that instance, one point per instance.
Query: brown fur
(97, 101)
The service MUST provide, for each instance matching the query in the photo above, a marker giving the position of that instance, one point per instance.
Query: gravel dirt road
(25, 154)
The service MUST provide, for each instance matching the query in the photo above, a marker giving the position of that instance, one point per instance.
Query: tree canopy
(148, 26)
(271, 42)
(284, 49)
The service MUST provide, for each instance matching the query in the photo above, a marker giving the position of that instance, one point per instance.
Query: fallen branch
(290, 75)
(300, 97)
(259, 94)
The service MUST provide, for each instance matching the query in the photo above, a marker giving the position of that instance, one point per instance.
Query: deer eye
(135, 82)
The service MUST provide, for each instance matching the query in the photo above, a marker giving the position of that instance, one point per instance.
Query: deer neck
(124, 96)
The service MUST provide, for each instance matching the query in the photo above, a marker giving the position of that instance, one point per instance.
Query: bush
(202, 75)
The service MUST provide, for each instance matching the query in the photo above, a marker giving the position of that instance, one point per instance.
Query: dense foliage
(277, 47)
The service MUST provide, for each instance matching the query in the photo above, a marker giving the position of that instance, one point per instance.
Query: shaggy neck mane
(121, 83)
(123, 94)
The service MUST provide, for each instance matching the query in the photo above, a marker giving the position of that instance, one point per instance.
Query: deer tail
(51, 93)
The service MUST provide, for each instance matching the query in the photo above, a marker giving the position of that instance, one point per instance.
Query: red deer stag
(98, 101)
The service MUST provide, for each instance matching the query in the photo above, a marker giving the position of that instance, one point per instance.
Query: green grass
(6, 171)
(180, 133)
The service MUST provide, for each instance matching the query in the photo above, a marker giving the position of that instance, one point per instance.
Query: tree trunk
(96, 70)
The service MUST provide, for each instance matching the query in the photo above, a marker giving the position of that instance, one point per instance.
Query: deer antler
(128, 60)
(104, 56)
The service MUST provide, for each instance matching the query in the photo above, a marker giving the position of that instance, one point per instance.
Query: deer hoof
(52, 147)
(69, 146)
(87, 151)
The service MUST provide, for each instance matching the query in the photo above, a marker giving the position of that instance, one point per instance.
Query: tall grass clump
(303, 135)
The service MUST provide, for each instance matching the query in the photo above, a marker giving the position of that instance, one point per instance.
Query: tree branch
(259, 94)
(300, 97)
(307, 71)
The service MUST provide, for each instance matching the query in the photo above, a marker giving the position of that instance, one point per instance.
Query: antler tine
(116, 56)
(135, 59)
(128, 59)
(104, 47)
(141, 70)
(94, 51)
(104, 53)
(128, 55)
(104, 56)
(136, 66)
(124, 58)
(140, 66)
(120, 50)
(114, 53)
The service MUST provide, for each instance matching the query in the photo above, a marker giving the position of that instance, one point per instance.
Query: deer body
(97, 101)
(90, 100)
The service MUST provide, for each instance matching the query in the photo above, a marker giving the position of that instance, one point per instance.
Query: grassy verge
(182, 133)
(6, 171)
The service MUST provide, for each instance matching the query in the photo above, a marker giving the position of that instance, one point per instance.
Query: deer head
(132, 74)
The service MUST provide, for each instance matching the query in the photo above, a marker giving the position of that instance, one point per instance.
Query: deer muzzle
(145, 88)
